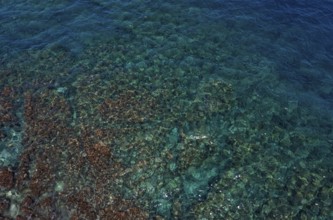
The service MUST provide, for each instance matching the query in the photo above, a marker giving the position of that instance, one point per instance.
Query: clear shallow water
(166, 109)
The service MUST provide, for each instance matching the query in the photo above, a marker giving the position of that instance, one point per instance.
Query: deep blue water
(263, 149)
(294, 35)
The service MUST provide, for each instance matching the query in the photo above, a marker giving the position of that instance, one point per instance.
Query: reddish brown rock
(129, 107)
(6, 106)
(6, 178)
(27, 202)
(122, 210)
(22, 174)
(84, 210)
(99, 154)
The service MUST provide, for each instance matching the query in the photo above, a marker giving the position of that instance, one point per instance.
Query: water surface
(166, 109)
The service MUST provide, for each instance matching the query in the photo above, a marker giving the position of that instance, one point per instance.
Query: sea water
(211, 109)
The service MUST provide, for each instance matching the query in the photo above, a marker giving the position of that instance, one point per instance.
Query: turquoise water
(166, 109)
